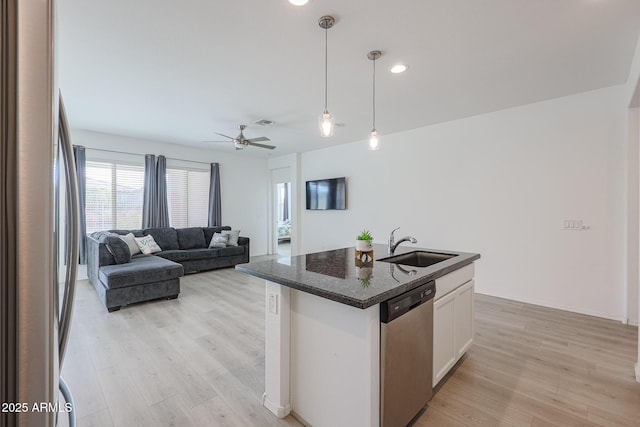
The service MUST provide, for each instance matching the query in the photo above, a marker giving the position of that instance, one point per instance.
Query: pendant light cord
(374, 94)
(326, 58)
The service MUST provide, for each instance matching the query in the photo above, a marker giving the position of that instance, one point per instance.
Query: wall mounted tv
(325, 194)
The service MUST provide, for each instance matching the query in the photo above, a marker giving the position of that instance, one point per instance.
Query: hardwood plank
(199, 361)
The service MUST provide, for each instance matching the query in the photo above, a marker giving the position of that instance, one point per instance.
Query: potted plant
(364, 241)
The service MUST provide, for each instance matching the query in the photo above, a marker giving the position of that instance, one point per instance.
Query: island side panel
(276, 397)
(335, 362)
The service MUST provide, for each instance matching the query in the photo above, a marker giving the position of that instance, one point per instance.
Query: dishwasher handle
(396, 307)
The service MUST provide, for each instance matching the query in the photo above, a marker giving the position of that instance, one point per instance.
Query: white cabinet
(452, 328)
(463, 319)
(444, 356)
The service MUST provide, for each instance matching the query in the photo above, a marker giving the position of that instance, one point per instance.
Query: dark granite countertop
(334, 274)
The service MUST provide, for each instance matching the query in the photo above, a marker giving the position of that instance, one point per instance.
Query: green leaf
(365, 235)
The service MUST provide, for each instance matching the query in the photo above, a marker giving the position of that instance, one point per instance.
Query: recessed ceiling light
(298, 2)
(399, 68)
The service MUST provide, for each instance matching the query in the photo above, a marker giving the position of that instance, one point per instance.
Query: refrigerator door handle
(72, 230)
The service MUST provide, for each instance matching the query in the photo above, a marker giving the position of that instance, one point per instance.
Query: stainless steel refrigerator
(38, 220)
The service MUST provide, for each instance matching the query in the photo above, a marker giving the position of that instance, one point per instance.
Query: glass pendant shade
(326, 124)
(326, 120)
(374, 140)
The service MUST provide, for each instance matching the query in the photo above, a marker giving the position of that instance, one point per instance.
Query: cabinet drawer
(453, 280)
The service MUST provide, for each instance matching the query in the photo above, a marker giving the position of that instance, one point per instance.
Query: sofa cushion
(230, 251)
(176, 255)
(195, 254)
(147, 244)
(141, 270)
(130, 240)
(166, 238)
(219, 241)
(208, 231)
(233, 237)
(190, 238)
(136, 233)
(118, 248)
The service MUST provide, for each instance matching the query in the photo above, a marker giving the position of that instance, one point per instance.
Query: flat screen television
(326, 194)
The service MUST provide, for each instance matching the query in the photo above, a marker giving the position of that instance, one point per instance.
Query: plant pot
(364, 245)
(364, 272)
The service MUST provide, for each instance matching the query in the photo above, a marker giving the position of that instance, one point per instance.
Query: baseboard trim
(638, 372)
(541, 303)
(278, 411)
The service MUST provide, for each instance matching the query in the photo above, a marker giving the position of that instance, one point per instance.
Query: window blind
(114, 196)
(188, 197)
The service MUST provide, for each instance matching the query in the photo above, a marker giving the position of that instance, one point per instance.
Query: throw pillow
(147, 244)
(233, 236)
(130, 240)
(118, 248)
(219, 241)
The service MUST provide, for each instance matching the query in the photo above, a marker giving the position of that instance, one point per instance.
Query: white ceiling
(178, 71)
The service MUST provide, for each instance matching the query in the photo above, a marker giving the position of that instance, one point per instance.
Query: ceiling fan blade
(259, 139)
(268, 147)
(226, 136)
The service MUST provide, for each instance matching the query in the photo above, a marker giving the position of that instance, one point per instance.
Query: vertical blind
(188, 197)
(114, 196)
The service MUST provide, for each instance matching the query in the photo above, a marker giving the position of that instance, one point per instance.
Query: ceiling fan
(240, 141)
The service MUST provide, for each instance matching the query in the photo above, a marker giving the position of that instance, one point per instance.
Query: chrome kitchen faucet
(392, 245)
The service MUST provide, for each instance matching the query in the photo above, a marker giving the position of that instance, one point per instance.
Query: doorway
(283, 218)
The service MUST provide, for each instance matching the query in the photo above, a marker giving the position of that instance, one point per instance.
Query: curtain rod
(134, 154)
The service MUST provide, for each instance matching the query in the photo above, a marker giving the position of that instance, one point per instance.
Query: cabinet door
(444, 352)
(463, 319)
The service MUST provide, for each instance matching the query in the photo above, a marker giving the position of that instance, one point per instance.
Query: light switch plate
(573, 224)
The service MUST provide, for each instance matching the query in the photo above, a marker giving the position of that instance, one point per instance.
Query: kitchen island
(322, 329)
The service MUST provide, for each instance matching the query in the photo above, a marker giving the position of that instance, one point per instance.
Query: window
(114, 196)
(188, 197)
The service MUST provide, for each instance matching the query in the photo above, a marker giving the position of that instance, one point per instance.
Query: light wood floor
(199, 361)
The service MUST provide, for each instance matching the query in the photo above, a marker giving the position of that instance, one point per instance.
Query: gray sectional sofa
(122, 279)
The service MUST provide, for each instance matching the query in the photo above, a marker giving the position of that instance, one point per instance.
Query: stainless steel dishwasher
(406, 355)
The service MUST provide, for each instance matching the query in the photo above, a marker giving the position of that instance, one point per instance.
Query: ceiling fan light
(326, 124)
(374, 140)
(298, 2)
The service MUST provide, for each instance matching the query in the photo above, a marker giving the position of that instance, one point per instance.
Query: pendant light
(374, 138)
(326, 119)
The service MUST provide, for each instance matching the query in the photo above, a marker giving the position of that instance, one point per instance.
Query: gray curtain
(162, 218)
(81, 171)
(215, 211)
(149, 204)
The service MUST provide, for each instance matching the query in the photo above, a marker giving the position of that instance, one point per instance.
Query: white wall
(633, 214)
(632, 92)
(499, 184)
(243, 179)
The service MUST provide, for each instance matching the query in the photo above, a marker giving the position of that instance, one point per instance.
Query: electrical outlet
(273, 303)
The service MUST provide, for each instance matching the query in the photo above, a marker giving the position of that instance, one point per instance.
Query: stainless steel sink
(418, 258)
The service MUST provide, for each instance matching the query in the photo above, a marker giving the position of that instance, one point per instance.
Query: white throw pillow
(130, 240)
(219, 240)
(233, 236)
(147, 244)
